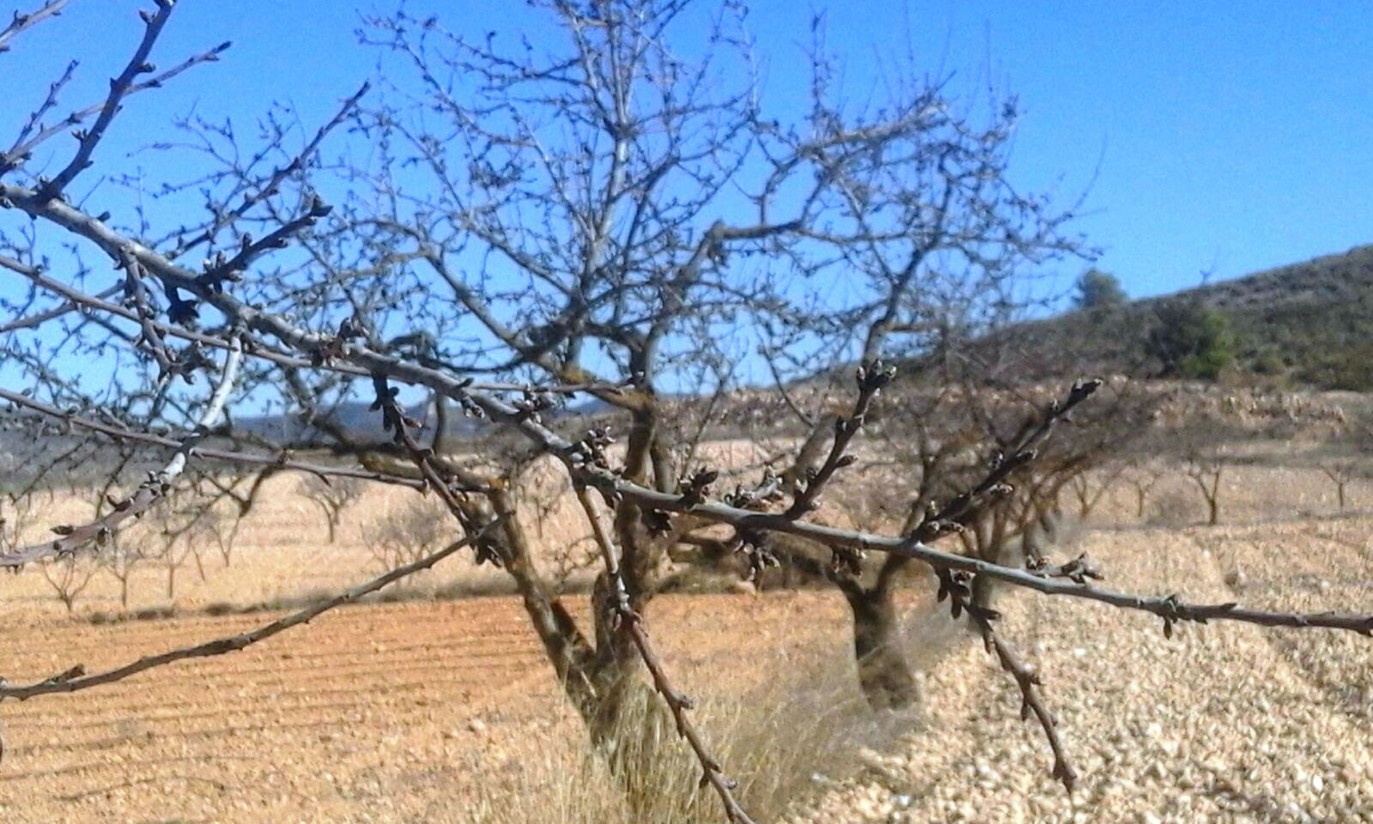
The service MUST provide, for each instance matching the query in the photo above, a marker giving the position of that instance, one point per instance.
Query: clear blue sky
(1228, 136)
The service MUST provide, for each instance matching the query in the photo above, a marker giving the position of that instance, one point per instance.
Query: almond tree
(332, 496)
(595, 221)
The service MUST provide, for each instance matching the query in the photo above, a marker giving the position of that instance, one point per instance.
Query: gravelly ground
(1223, 723)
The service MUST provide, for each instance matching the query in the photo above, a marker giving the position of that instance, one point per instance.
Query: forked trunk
(884, 674)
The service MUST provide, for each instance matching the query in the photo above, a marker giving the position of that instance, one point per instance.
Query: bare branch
(71, 539)
(205, 453)
(278, 176)
(119, 87)
(22, 21)
(630, 621)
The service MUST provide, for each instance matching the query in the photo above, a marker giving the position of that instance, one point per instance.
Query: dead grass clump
(783, 742)
(155, 613)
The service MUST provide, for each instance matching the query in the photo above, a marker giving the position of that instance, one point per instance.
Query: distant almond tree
(332, 496)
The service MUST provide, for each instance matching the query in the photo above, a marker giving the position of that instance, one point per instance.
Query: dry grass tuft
(788, 740)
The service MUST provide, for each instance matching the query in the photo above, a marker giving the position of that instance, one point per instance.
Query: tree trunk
(992, 542)
(984, 591)
(628, 723)
(884, 674)
(624, 718)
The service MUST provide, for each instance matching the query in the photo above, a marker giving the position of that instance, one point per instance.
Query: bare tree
(1142, 476)
(1340, 473)
(613, 226)
(596, 222)
(1351, 449)
(68, 577)
(123, 556)
(1089, 488)
(16, 519)
(332, 496)
(1205, 471)
(406, 535)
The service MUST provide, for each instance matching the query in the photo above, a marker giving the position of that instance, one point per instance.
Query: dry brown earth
(395, 712)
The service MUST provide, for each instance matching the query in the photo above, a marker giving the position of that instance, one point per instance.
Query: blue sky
(1226, 137)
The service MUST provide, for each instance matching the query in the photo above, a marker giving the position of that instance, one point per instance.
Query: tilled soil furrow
(61, 644)
(391, 683)
(62, 647)
(260, 681)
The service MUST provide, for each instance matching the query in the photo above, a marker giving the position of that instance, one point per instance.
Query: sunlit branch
(630, 621)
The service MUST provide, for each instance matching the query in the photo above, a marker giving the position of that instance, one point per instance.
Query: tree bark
(992, 536)
(984, 591)
(623, 716)
(884, 674)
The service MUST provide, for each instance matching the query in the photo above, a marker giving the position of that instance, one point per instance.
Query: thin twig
(22, 21)
(119, 87)
(155, 488)
(35, 321)
(1027, 678)
(269, 188)
(23, 147)
(205, 453)
(871, 378)
(632, 622)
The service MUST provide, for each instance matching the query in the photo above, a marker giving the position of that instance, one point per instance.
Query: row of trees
(597, 217)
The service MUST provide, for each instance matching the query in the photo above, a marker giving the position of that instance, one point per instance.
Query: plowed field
(372, 713)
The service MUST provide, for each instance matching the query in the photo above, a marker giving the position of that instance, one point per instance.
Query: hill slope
(1308, 323)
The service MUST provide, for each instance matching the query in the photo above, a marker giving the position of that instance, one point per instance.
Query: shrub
(1190, 340)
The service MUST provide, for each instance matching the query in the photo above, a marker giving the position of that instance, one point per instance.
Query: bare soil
(397, 712)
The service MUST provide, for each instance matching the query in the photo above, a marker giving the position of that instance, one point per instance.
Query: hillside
(1308, 324)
